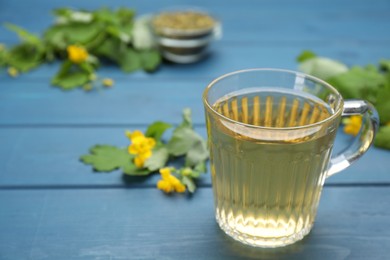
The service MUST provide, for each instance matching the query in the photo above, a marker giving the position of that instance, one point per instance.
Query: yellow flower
(13, 72)
(169, 183)
(140, 159)
(139, 143)
(107, 82)
(2, 47)
(77, 54)
(141, 146)
(352, 125)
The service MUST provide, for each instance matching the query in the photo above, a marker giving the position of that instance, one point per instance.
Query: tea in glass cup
(270, 135)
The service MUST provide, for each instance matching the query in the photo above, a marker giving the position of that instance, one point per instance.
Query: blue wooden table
(54, 207)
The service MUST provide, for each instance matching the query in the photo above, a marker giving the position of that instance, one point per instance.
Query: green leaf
(129, 60)
(25, 56)
(55, 38)
(105, 158)
(64, 69)
(71, 80)
(383, 103)
(63, 35)
(72, 75)
(158, 159)
(385, 64)
(132, 170)
(157, 129)
(87, 67)
(3, 55)
(201, 167)
(150, 59)
(23, 34)
(83, 33)
(185, 141)
(109, 48)
(125, 15)
(187, 181)
(49, 53)
(195, 174)
(358, 83)
(306, 55)
(323, 68)
(371, 67)
(106, 15)
(382, 138)
(116, 32)
(187, 120)
(181, 141)
(198, 153)
(122, 33)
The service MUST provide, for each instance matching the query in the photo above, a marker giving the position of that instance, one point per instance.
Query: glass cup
(270, 135)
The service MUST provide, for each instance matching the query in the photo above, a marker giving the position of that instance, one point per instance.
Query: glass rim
(285, 71)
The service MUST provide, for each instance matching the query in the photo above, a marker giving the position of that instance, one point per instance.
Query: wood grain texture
(161, 95)
(54, 207)
(53, 158)
(146, 224)
(255, 21)
(49, 156)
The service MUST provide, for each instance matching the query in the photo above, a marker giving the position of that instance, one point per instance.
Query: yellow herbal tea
(267, 182)
(270, 134)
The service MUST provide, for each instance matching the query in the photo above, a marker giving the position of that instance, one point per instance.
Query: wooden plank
(167, 91)
(129, 102)
(50, 157)
(256, 20)
(145, 224)
(41, 156)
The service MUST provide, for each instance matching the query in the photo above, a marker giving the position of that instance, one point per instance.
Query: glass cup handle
(362, 141)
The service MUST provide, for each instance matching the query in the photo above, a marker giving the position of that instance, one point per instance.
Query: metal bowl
(185, 45)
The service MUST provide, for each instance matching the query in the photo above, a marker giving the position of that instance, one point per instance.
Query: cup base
(263, 242)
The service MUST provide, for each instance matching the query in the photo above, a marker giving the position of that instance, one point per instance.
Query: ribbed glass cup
(270, 135)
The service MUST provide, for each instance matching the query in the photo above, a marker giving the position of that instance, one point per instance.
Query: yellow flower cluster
(141, 146)
(352, 125)
(169, 183)
(77, 54)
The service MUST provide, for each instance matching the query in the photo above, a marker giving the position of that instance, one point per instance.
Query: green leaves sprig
(185, 150)
(108, 36)
(370, 82)
(27, 55)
